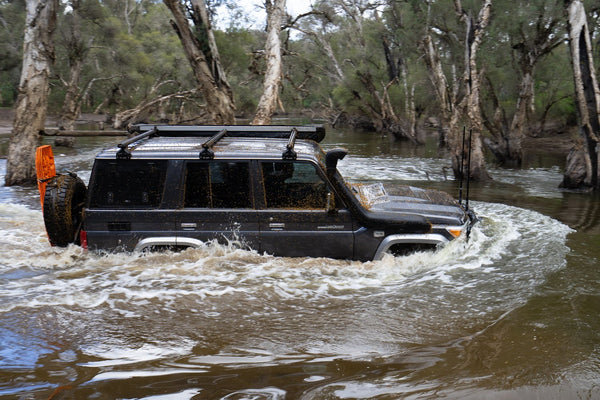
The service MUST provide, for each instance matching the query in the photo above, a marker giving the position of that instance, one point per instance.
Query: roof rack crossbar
(289, 153)
(207, 153)
(124, 153)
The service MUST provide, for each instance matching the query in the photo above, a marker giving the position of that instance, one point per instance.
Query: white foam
(39, 275)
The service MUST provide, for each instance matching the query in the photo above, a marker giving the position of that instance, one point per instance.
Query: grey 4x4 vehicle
(272, 188)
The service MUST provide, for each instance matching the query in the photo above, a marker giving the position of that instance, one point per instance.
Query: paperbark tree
(532, 37)
(582, 163)
(462, 98)
(32, 101)
(475, 31)
(76, 52)
(320, 34)
(361, 80)
(272, 82)
(398, 43)
(201, 51)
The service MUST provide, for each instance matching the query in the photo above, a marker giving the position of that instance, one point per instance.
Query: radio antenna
(461, 168)
(469, 169)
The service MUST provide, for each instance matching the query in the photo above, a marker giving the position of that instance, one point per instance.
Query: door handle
(276, 226)
(188, 226)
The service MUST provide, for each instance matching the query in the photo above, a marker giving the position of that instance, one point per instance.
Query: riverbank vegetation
(501, 68)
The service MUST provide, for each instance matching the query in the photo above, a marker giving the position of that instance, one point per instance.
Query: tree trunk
(518, 126)
(32, 101)
(409, 105)
(77, 50)
(204, 60)
(532, 44)
(587, 96)
(392, 67)
(71, 105)
(475, 32)
(447, 116)
(453, 108)
(272, 83)
(506, 144)
(337, 75)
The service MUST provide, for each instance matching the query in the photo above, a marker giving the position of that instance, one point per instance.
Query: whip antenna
(469, 169)
(461, 168)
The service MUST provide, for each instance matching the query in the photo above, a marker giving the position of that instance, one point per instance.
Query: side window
(128, 183)
(197, 185)
(217, 184)
(293, 185)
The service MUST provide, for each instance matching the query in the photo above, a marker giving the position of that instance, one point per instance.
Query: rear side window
(128, 183)
(217, 184)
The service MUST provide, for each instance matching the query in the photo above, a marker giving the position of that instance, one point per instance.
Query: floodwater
(510, 314)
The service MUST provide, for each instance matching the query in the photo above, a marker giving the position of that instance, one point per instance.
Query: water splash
(35, 274)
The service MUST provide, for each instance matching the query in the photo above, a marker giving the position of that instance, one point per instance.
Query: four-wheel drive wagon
(270, 188)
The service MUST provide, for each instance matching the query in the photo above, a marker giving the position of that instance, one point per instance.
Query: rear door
(218, 203)
(293, 216)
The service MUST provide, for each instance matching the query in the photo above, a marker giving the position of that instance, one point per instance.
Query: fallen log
(83, 132)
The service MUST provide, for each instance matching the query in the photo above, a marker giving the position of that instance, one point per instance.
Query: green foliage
(129, 52)
(236, 47)
(554, 87)
(128, 48)
(12, 23)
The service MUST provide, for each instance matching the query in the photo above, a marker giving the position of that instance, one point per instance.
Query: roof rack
(310, 132)
(124, 153)
(207, 153)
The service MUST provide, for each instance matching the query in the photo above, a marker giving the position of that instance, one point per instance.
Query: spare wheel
(63, 206)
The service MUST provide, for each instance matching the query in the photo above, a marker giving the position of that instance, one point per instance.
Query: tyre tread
(63, 203)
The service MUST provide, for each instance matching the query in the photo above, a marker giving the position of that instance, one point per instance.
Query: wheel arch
(390, 241)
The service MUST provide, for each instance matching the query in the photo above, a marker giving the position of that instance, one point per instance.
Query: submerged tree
(358, 46)
(32, 101)
(202, 53)
(531, 30)
(461, 98)
(582, 163)
(77, 49)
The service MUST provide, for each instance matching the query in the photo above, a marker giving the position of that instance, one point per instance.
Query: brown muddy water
(510, 314)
